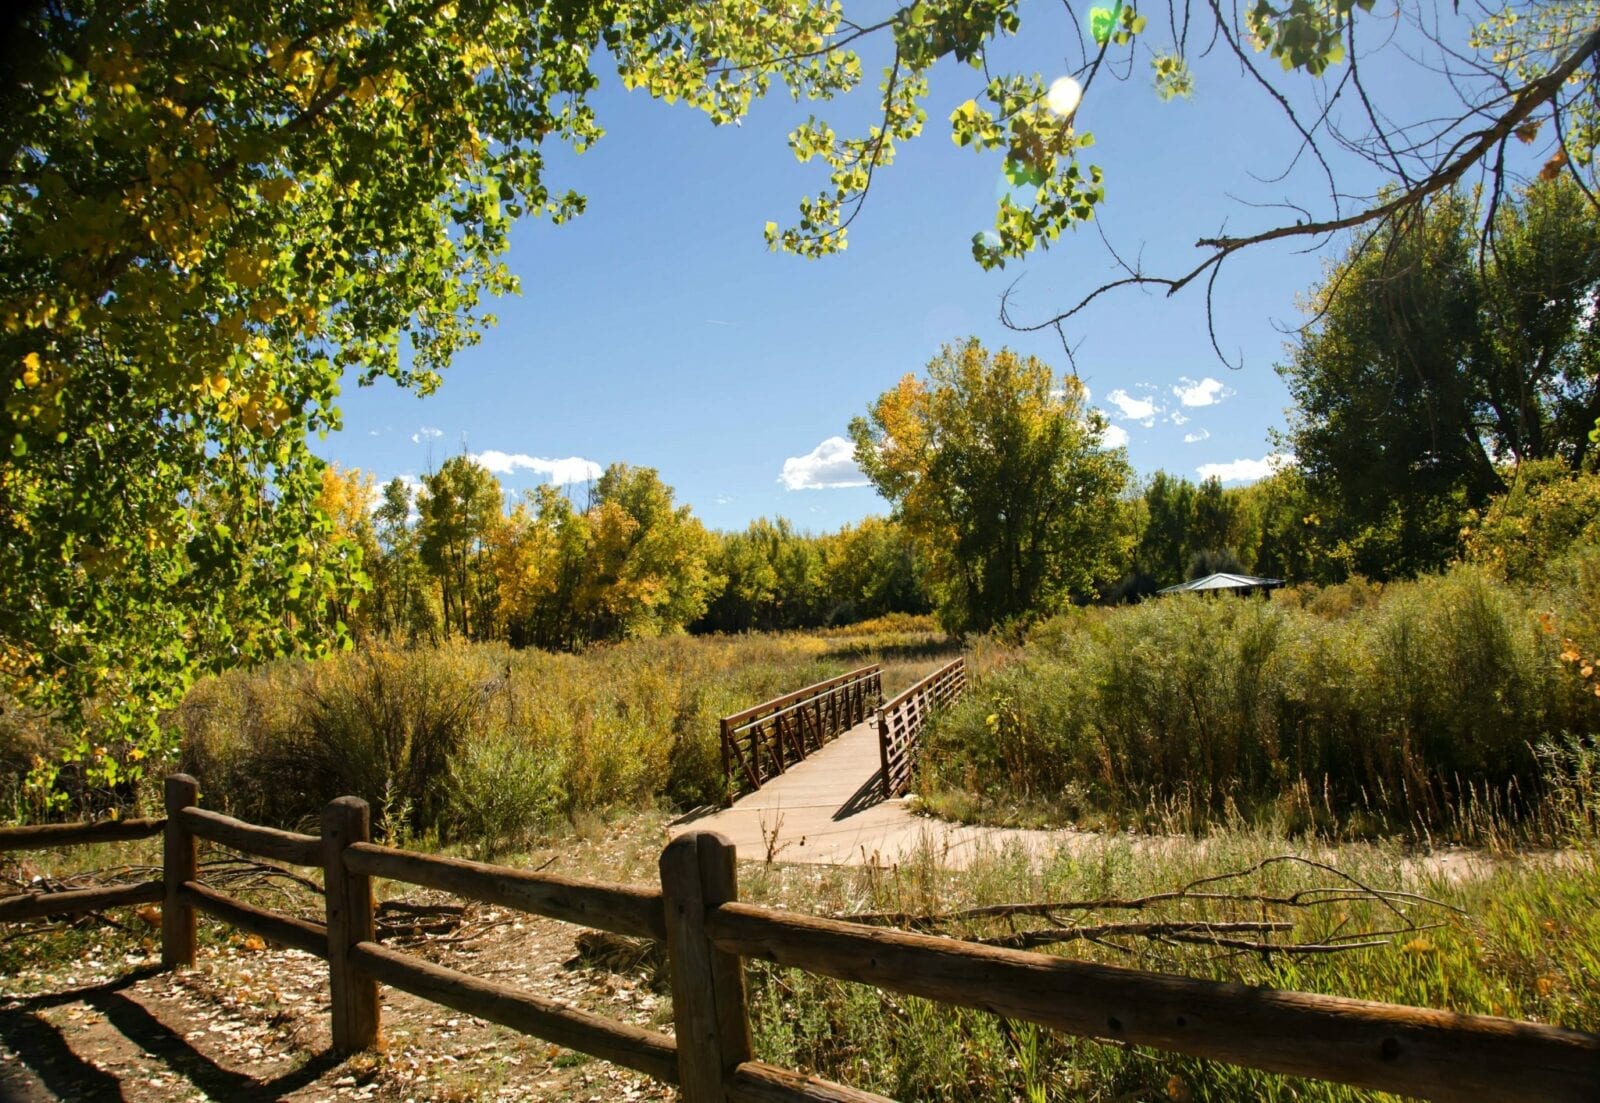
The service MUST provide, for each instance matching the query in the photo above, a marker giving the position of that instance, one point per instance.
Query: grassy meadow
(1516, 939)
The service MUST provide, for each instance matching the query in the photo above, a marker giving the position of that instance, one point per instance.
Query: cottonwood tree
(646, 559)
(1436, 362)
(996, 466)
(460, 507)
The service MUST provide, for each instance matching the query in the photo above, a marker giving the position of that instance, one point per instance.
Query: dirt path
(829, 810)
(251, 1024)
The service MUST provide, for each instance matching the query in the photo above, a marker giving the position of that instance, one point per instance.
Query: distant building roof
(1223, 581)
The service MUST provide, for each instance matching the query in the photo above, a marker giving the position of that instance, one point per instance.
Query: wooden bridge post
(712, 1023)
(179, 863)
(349, 902)
(883, 754)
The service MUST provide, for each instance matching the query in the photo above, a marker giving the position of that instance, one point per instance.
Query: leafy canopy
(1434, 362)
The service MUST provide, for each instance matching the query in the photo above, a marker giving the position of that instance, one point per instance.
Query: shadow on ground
(60, 1065)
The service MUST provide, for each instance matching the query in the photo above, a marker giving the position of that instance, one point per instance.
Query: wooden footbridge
(813, 775)
(763, 742)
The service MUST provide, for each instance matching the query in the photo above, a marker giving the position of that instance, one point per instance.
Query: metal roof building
(1213, 583)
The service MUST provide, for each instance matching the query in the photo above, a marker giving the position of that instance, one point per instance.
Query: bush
(1548, 512)
(504, 789)
(1191, 710)
(477, 742)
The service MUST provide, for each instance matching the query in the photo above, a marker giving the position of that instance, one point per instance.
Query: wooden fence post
(708, 996)
(179, 863)
(350, 920)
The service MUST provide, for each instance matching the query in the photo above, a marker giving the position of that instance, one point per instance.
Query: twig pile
(1204, 912)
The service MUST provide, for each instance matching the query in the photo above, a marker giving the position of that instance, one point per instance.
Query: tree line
(451, 561)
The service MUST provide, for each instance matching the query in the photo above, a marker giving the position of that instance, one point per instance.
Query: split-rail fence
(764, 740)
(708, 933)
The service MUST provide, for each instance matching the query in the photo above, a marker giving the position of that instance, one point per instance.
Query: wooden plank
(264, 842)
(348, 900)
(37, 905)
(710, 1017)
(643, 1050)
(180, 864)
(1408, 1050)
(45, 836)
(758, 1082)
(270, 925)
(620, 909)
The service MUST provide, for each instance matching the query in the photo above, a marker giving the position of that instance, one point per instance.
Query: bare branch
(1471, 149)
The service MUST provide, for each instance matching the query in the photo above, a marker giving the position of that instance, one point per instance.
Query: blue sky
(658, 330)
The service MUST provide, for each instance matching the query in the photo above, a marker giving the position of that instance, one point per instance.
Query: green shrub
(504, 789)
(1397, 711)
(1548, 512)
(478, 742)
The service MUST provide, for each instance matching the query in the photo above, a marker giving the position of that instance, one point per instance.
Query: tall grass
(1515, 939)
(482, 744)
(1420, 710)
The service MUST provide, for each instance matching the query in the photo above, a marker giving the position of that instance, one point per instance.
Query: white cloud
(1115, 436)
(1178, 418)
(412, 485)
(1244, 471)
(1142, 410)
(427, 432)
(1197, 436)
(573, 469)
(829, 465)
(1207, 392)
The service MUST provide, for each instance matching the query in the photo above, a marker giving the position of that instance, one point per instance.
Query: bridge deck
(830, 809)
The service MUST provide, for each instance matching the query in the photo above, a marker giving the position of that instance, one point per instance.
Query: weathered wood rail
(709, 934)
(763, 741)
(900, 723)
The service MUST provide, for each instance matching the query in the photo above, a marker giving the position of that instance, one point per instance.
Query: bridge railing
(763, 741)
(901, 720)
(709, 935)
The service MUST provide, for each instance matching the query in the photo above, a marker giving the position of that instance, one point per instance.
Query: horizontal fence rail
(46, 835)
(709, 935)
(1414, 1051)
(39, 904)
(900, 723)
(646, 1051)
(620, 909)
(763, 741)
(265, 842)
